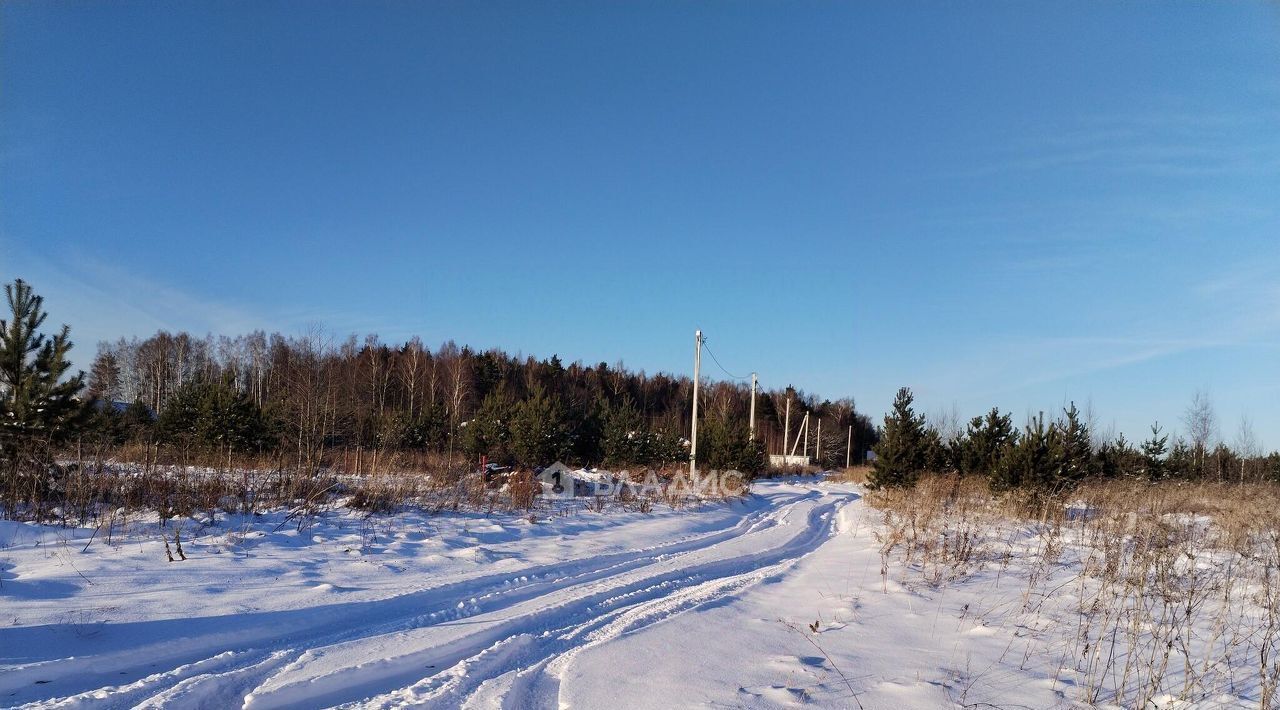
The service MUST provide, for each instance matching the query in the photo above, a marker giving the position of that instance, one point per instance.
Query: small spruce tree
(1271, 469)
(623, 439)
(1032, 462)
(489, 431)
(425, 430)
(212, 415)
(540, 433)
(985, 442)
(1075, 451)
(39, 408)
(939, 456)
(1118, 458)
(1180, 463)
(727, 446)
(1153, 451)
(901, 452)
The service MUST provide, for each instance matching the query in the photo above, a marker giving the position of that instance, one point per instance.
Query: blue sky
(1016, 204)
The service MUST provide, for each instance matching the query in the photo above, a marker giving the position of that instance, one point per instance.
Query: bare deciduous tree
(946, 422)
(1246, 445)
(1202, 426)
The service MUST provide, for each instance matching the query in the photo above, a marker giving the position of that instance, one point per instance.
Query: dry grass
(853, 474)
(102, 486)
(1172, 590)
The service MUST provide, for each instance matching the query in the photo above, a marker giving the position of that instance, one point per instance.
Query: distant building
(782, 460)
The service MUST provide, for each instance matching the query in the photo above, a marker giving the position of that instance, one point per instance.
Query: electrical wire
(717, 362)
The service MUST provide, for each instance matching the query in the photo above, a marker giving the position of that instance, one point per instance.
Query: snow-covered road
(502, 639)
(777, 600)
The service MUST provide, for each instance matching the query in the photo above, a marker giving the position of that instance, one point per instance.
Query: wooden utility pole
(697, 374)
(848, 448)
(817, 443)
(752, 435)
(786, 429)
(796, 444)
(803, 433)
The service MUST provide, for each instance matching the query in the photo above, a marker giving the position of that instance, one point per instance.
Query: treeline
(1060, 453)
(309, 402)
(309, 395)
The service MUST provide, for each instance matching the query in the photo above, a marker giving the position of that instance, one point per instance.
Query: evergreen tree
(138, 421)
(38, 404)
(727, 446)
(939, 457)
(489, 432)
(425, 430)
(1034, 461)
(985, 442)
(105, 424)
(624, 440)
(900, 453)
(212, 415)
(1271, 467)
(1118, 458)
(1223, 462)
(1074, 449)
(1153, 451)
(666, 448)
(1181, 461)
(540, 432)
(586, 428)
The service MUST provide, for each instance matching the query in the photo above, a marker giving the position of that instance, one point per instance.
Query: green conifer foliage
(985, 442)
(722, 446)
(540, 431)
(212, 415)
(38, 404)
(901, 452)
(1034, 461)
(1075, 450)
(1153, 451)
(624, 440)
(489, 432)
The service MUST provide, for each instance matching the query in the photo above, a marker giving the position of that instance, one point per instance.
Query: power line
(717, 362)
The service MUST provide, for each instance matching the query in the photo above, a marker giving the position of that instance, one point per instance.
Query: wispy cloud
(156, 303)
(1234, 309)
(105, 301)
(1159, 143)
(1246, 300)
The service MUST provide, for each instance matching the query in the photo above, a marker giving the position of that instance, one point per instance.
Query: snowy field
(781, 599)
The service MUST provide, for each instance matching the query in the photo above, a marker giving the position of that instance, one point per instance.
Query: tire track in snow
(201, 662)
(519, 648)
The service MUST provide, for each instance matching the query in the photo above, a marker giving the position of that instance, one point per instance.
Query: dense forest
(309, 395)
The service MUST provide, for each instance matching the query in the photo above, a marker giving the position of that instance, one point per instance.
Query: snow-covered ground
(773, 601)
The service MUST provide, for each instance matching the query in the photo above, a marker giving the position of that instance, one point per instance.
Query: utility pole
(805, 428)
(817, 443)
(803, 433)
(697, 374)
(753, 407)
(848, 448)
(786, 429)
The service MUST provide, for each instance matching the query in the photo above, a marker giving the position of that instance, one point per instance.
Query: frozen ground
(775, 601)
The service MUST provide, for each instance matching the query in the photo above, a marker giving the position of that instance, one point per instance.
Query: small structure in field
(785, 460)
